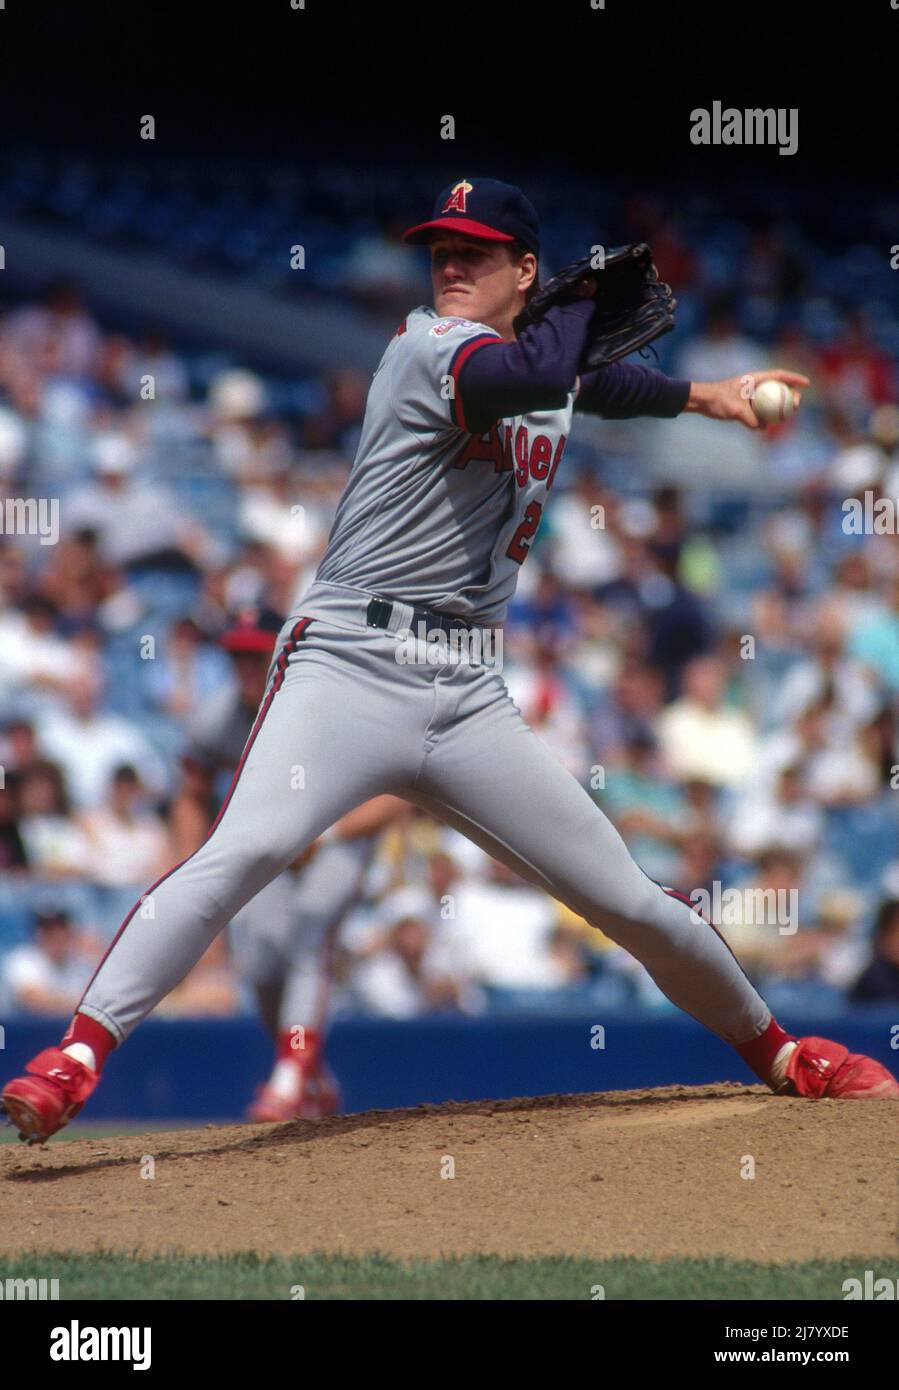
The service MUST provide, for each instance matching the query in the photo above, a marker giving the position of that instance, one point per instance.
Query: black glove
(632, 305)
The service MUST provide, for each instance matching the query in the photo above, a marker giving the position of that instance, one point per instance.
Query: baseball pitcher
(463, 437)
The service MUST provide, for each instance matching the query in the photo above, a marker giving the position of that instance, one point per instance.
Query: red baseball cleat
(322, 1096)
(53, 1091)
(316, 1095)
(821, 1069)
(271, 1108)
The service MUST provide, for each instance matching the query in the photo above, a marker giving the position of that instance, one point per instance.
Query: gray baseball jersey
(431, 514)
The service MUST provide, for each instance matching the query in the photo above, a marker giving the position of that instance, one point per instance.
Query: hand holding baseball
(754, 399)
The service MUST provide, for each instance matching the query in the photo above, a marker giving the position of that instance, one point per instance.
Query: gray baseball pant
(344, 720)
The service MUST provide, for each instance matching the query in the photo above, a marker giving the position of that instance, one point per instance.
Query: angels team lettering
(513, 451)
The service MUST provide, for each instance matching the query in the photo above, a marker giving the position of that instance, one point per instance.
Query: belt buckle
(447, 622)
(379, 612)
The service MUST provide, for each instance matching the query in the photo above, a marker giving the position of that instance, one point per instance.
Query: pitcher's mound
(700, 1170)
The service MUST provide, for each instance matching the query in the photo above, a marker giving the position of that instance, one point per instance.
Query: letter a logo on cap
(456, 200)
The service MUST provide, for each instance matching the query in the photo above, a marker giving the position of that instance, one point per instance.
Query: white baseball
(772, 401)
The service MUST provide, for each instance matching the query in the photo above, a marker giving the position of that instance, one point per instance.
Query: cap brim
(464, 225)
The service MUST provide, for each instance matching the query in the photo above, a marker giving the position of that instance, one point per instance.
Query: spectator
(35, 661)
(854, 593)
(58, 330)
(643, 805)
(55, 847)
(874, 643)
(270, 513)
(722, 350)
(837, 769)
(18, 746)
(585, 550)
(245, 444)
(127, 841)
(780, 815)
(49, 976)
(758, 918)
(13, 446)
(629, 710)
(700, 738)
(186, 672)
(649, 593)
(154, 357)
(879, 981)
(503, 932)
(825, 953)
(405, 972)
(382, 274)
(89, 745)
(337, 424)
(878, 744)
(772, 268)
(826, 669)
(549, 705)
(13, 858)
(857, 373)
(76, 581)
(137, 523)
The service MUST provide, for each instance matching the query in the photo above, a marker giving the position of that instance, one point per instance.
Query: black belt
(380, 611)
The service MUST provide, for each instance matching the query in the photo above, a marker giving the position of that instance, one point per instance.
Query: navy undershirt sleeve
(538, 369)
(626, 389)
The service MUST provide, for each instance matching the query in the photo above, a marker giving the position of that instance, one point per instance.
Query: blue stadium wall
(208, 1070)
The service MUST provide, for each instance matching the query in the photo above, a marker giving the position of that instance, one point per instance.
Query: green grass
(116, 1275)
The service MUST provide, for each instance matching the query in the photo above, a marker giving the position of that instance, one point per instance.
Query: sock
(285, 1049)
(87, 1041)
(779, 1065)
(762, 1052)
(286, 1080)
(287, 1076)
(82, 1053)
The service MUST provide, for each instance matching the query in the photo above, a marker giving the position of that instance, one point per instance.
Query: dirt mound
(650, 1173)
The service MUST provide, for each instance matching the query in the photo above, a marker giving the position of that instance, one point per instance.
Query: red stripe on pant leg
(682, 898)
(296, 634)
(287, 650)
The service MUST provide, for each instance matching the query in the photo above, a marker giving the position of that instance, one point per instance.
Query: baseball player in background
(464, 433)
(282, 941)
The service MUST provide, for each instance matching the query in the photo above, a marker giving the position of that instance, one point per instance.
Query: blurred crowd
(720, 671)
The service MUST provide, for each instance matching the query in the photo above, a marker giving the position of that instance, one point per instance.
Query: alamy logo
(870, 515)
(31, 516)
(427, 646)
(727, 125)
(41, 1290)
(871, 1288)
(738, 907)
(77, 1343)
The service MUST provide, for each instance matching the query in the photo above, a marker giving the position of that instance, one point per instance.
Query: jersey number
(518, 546)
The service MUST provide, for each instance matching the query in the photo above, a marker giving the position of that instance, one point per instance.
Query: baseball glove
(632, 305)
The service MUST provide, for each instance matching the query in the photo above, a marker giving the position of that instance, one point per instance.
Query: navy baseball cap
(482, 208)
